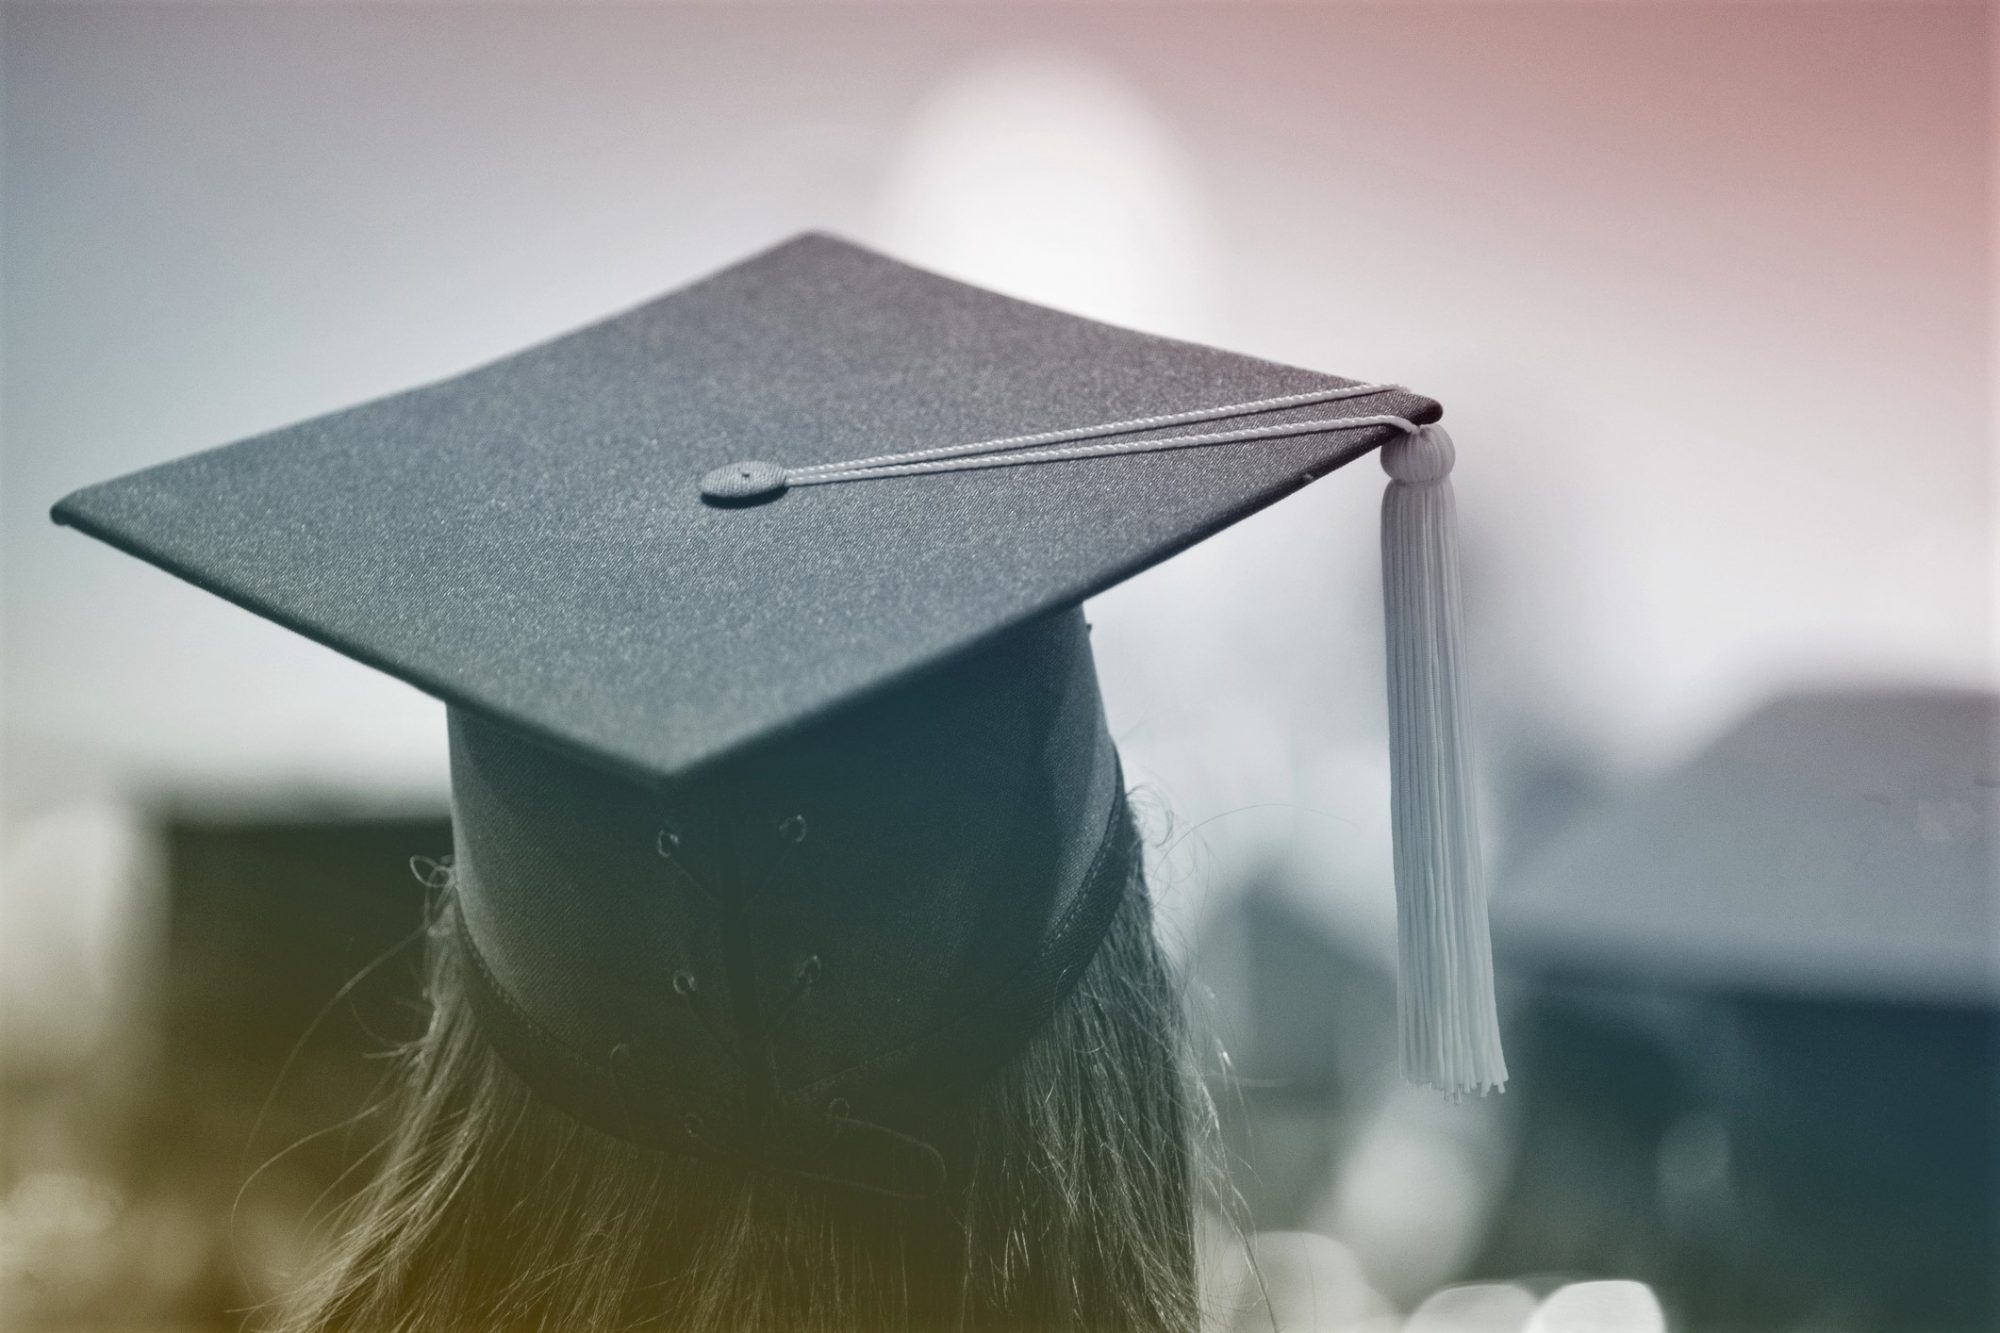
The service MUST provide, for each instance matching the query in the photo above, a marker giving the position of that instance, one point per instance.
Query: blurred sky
(1705, 290)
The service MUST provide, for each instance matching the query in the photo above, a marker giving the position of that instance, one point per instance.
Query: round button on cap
(744, 483)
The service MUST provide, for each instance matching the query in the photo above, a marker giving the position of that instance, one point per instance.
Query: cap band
(858, 925)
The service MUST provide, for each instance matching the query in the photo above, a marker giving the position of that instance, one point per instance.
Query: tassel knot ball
(1423, 457)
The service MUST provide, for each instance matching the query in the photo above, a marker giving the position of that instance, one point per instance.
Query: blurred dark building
(290, 957)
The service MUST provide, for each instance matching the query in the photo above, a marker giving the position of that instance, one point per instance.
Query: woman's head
(863, 1028)
(886, 682)
(1069, 1203)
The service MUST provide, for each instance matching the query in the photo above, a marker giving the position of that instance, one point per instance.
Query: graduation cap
(1786, 942)
(1835, 844)
(779, 769)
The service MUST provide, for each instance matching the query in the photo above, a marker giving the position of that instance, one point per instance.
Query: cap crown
(529, 541)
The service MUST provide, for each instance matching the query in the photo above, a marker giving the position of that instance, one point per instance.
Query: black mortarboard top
(528, 540)
(1833, 843)
(810, 532)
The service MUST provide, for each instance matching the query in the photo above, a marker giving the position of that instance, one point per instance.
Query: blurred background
(1707, 291)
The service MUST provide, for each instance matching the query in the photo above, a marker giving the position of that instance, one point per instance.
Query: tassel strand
(1449, 1025)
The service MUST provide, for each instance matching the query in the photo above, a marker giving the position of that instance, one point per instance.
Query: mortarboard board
(755, 610)
(1836, 843)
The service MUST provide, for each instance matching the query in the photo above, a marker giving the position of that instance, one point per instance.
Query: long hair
(492, 1210)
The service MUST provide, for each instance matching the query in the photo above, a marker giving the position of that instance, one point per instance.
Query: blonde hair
(1076, 1210)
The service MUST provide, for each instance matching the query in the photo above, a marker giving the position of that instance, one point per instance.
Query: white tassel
(1450, 1030)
